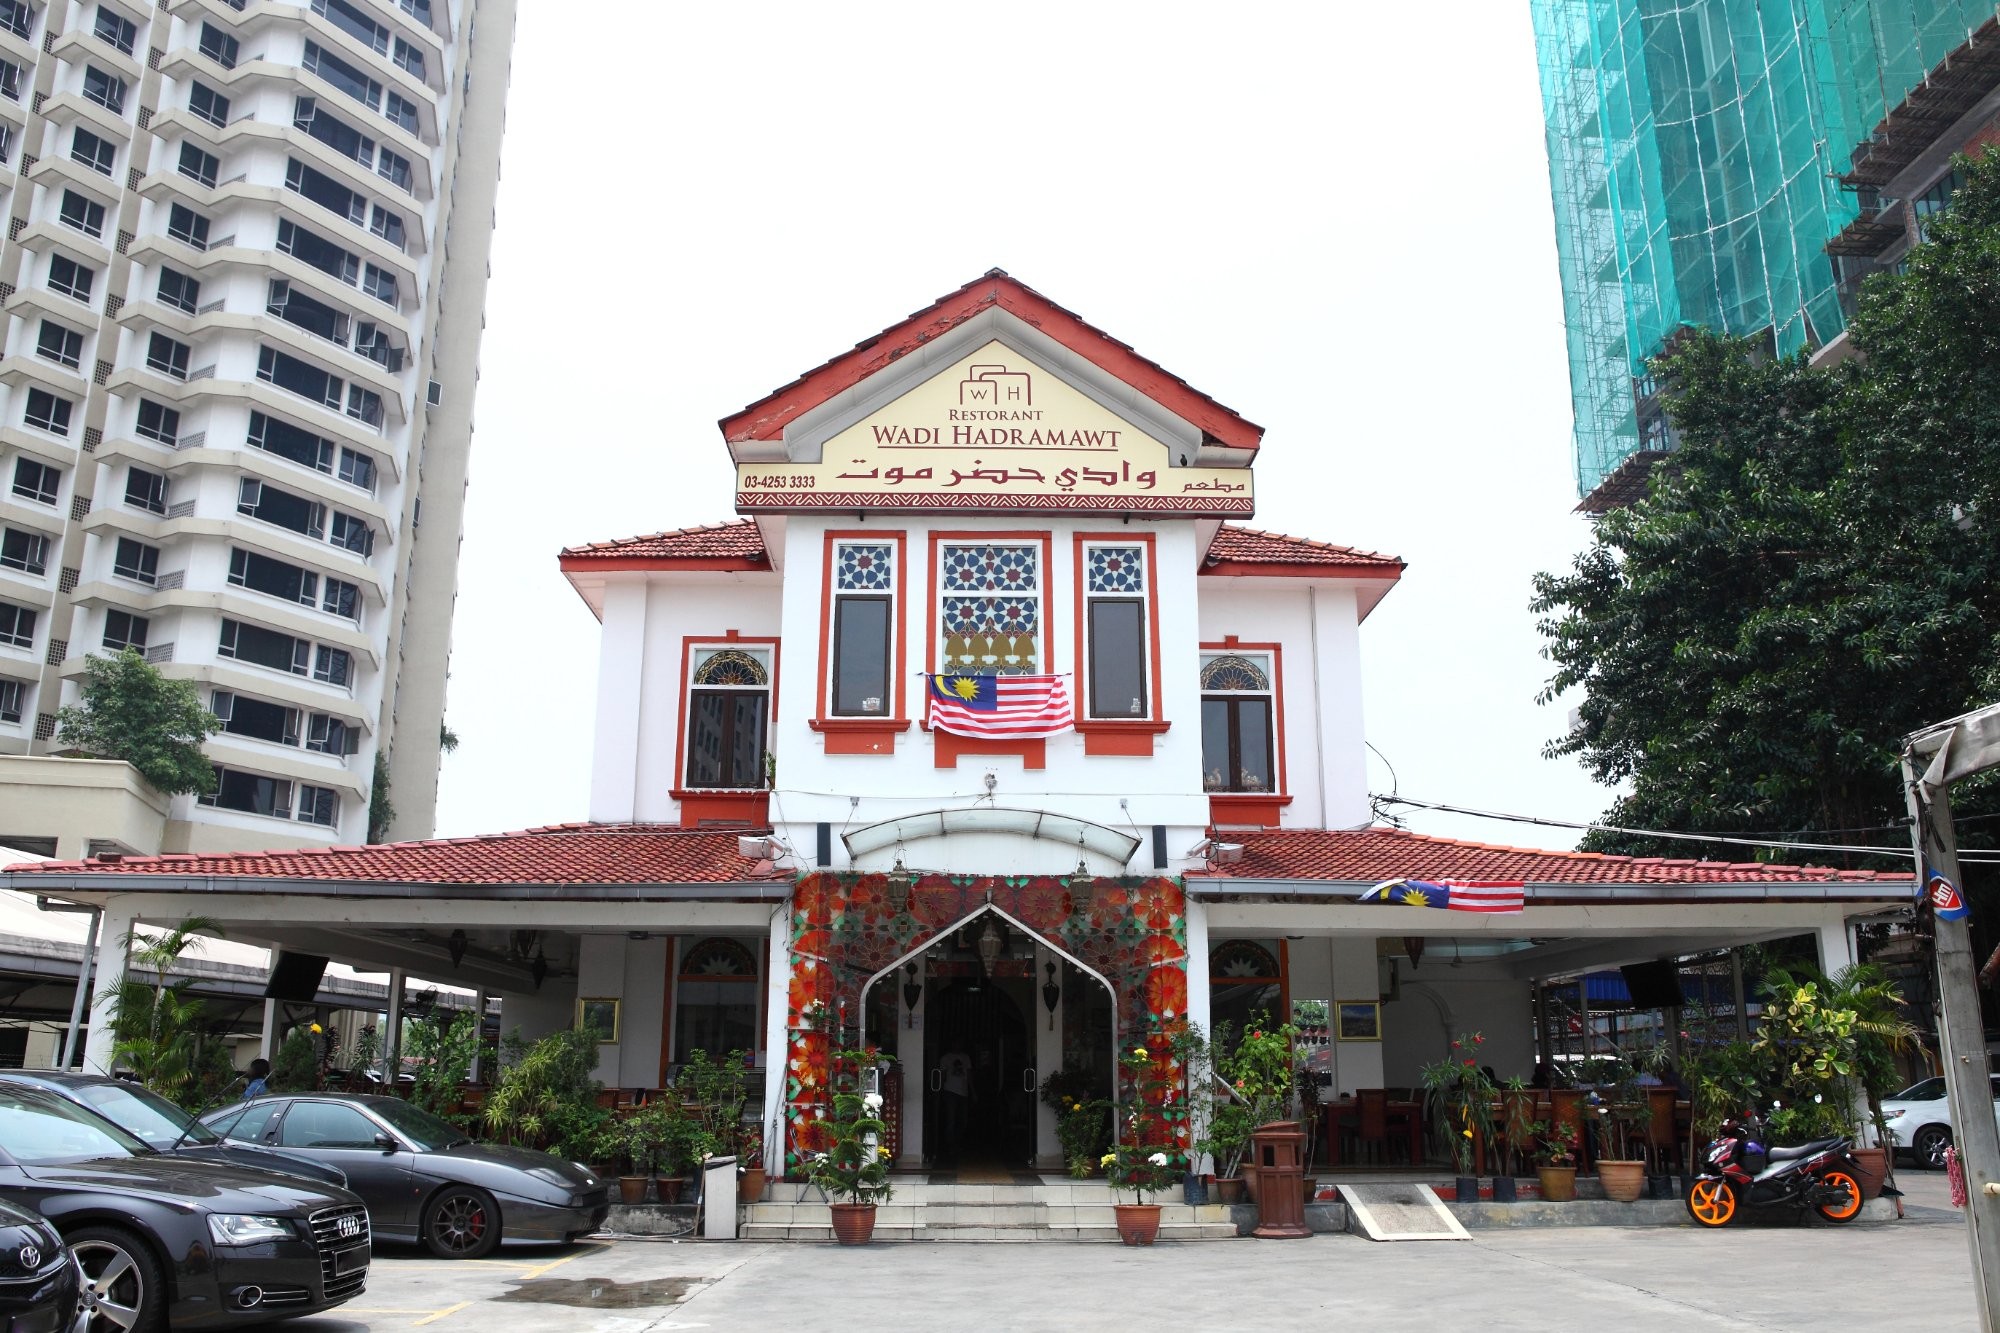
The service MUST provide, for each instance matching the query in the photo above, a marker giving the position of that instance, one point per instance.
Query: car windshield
(421, 1128)
(40, 1130)
(1930, 1090)
(145, 1113)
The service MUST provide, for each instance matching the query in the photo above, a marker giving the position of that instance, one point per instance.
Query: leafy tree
(380, 811)
(130, 711)
(156, 1026)
(1815, 575)
(443, 1043)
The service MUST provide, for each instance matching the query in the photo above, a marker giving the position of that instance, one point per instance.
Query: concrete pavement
(1913, 1273)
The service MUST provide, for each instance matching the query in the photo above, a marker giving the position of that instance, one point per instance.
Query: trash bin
(718, 1198)
(1279, 1151)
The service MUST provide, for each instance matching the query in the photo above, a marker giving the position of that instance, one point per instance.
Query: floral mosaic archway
(844, 930)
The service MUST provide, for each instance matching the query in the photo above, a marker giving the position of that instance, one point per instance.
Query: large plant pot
(1558, 1183)
(1503, 1189)
(632, 1189)
(1622, 1181)
(1229, 1189)
(669, 1188)
(1873, 1164)
(1249, 1182)
(1465, 1189)
(853, 1223)
(1138, 1223)
(751, 1188)
(1311, 1190)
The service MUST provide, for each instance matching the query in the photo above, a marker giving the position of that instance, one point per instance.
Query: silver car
(1920, 1119)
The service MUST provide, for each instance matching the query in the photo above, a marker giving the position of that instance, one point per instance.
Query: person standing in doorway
(955, 1087)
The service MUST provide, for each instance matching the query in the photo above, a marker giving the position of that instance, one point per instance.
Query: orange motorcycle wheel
(1712, 1203)
(1842, 1182)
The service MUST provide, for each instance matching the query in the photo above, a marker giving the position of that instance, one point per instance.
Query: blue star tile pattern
(1117, 569)
(994, 630)
(991, 568)
(865, 568)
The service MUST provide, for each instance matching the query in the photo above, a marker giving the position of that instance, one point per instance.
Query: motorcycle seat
(1811, 1149)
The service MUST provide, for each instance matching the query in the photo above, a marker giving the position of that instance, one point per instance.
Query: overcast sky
(1333, 218)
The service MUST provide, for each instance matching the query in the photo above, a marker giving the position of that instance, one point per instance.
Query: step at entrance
(1052, 1210)
(1399, 1211)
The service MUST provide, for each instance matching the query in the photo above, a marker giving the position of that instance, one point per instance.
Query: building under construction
(1703, 154)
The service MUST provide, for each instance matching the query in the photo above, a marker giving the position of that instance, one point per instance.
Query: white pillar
(1198, 1011)
(777, 1040)
(1048, 1057)
(267, 1044)
(621, 663)
(1836, 946)
(1356, 976)
(392, 1038)
(478, 1029)
(910, 1057)
(110, 975)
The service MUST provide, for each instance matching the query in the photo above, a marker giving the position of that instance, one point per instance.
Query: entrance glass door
(979, 1058)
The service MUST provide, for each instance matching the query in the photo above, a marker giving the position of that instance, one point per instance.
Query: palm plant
(156, 1026)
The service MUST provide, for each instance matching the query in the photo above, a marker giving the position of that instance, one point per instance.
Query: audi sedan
(164, 1126)
(423, 1179)
(161, 1240)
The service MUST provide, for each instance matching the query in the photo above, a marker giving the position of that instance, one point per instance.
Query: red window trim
(863, 735)
(719, 803)
(1118, 736)
(946, 747)
(1237, 807)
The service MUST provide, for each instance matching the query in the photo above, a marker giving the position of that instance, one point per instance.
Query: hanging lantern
(913, 991)
(1082, 888)
(1051, 994)
(900, 880)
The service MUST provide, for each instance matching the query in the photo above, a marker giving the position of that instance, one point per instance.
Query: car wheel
(1929, 1145)
(123, 1291)
(461, 1223)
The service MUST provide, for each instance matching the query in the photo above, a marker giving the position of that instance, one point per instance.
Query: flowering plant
(1462, 1091)
(1148, 1160)
(1142, 1168)
(1555, 1145)
(855, 1167)
(1083, 1119)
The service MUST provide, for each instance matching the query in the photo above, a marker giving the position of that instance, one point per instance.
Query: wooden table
(1347, 1111)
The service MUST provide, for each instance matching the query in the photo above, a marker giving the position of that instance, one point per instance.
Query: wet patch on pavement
(598, 1293)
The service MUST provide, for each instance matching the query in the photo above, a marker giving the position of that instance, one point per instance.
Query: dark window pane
(861, 656)
(1117, 658)
(1215, 766)
(726, 738)
(1255, 768)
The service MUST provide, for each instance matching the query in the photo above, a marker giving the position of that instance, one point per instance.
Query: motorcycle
(1739, 1175)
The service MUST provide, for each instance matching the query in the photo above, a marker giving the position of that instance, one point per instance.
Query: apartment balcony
(54, 238)
(67, 109)
(203, 386)
(24, 368)
(58, 169)
(50, 449)
(81, 46)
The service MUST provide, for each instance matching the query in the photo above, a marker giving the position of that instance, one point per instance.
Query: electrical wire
(1972, 857)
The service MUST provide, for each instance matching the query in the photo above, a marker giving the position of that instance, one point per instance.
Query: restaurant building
(987, 728)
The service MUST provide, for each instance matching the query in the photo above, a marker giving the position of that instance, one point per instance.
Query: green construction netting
(1694, 151)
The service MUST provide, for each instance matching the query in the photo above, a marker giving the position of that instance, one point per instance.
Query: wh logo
(996, 386)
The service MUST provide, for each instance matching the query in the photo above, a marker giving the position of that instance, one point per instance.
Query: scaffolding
(1695, 155)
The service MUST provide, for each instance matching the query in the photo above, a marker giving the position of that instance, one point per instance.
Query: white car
(1920, 1119)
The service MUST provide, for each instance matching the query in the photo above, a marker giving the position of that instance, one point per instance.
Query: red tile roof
(556, 854)
(738, 541)
(1237, 548)
(767, 418)
(1369, 856)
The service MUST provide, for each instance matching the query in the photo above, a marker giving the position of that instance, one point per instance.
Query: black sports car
(164, 1126)
(39, 1280)
(162, 1239)
(422, 1178)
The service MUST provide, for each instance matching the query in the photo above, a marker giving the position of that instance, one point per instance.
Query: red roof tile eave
(767, 418)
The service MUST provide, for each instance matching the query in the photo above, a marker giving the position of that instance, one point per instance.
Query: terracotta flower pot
(1558, 1183)
(1138, 1223)
(1874, 1169)
(751, 1188)
(1249, 1182)
(853, 1223)
(632, 1189)
(1622, 1181)
(1229, 1189)
(669, 1188)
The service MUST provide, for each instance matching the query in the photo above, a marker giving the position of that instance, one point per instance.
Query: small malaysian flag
(1452, 895)
(1020, 707)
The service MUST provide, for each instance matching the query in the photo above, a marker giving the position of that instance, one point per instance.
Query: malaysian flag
(1014, 706)
(1453, 895)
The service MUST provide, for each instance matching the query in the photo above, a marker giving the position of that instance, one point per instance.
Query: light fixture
(900, 880)
(913, 991)
(990, 946)
(1051, 994)
(1110, 843)
(456, 947)
(1082, 888)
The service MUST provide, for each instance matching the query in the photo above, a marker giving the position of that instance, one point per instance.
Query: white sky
(1334, 219)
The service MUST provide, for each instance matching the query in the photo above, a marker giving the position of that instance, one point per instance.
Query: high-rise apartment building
(1700, 156)
(244, 276)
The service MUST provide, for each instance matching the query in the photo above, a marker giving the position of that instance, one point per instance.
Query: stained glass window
(729, 698)
(863, 617)
(1238, 740)
(990, 609)
(1114, 594)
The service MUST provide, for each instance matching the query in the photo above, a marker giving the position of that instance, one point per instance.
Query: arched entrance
(992, 1009)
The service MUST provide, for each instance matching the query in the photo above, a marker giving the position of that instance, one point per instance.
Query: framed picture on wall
(1360, 1020)
(602, 1014)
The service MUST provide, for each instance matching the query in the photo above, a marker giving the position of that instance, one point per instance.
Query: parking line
(558, 1263)
(433, 1318)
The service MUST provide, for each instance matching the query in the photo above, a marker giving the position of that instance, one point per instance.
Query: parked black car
(39, 1280)
(162, 1239)
(424, 1179)
(164, 1126)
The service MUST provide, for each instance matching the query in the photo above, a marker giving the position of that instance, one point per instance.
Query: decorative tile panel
(864, 567)
(1117, 569)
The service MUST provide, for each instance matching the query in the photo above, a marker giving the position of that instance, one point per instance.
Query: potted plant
(1083, 1119)
(1148, 1162)
(1517, 1120)
(750, 1163)
(1623, 1116)
(1227, 1138)
(853, 1172)
(1259, 1072)
(1881, 1034)
(1555, 1160)
(1461, 1101)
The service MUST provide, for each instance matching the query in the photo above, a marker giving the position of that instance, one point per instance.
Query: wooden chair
(1373, 1106)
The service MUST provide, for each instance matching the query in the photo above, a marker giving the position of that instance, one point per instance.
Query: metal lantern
(900, 880)
(1082, 887)
(1051, 994)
